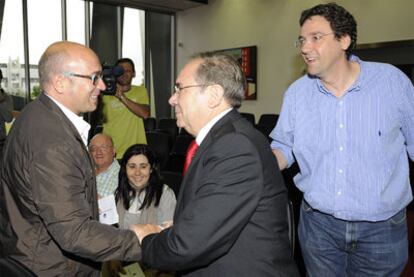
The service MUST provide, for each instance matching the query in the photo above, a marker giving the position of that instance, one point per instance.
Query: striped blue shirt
(351, 151)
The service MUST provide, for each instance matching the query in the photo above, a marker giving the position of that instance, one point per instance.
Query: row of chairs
(265, 124)
(170, 151)
(170, 143)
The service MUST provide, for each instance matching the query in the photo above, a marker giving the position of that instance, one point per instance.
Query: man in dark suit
(231, 217)
(48, 199)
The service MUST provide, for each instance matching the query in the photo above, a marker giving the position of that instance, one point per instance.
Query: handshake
(143, 230)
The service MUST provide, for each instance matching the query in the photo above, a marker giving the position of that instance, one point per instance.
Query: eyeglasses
(94, 77)
(316, 38)
(178, 88)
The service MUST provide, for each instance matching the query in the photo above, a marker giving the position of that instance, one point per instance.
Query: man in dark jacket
(231, 217)
(48, 199)
(6, 113)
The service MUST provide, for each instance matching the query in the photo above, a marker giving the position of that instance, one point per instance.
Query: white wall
(272, 25)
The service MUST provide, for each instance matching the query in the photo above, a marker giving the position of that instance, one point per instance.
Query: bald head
(102, 149)
(102, 138)
(59, 57)
(66, 72)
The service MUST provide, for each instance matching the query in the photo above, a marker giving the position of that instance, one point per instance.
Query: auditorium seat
(150, 124)
(250, 117)
(160, 144)
(169, 126)
(177, 154)
(173, 180)
(266, 123)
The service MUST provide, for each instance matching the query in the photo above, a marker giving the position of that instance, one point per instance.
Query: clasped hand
(143, 230)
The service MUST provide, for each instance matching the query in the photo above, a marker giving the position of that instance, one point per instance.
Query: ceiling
(169, 6)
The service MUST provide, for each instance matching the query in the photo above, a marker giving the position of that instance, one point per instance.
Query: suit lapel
(189, 181)
(67, 124)
(216, 131)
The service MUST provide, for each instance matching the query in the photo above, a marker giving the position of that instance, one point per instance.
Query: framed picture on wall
(247, 57)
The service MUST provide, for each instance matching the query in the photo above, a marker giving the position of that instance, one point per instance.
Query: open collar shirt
(80, 124)
(352, 150)
(204, 131)
(107, 181)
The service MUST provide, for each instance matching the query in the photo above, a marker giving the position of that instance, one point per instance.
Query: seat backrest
(250, 117)
(268, 119)
(169, 126)
(175, 163)
(173, 180)
(150, 124)
(160, 144)
(181, 144)
(266, 123)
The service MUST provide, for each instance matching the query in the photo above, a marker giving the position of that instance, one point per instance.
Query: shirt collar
(111, 167)
(81, 125)
(204, 131)
(355, 86)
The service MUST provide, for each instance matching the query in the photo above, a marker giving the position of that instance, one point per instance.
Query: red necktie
(191, 150)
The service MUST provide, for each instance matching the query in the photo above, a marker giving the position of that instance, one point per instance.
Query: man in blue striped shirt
(349, 125)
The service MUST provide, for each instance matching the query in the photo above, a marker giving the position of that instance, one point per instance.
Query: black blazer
(231, 217)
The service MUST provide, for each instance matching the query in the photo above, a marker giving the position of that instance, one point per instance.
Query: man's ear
(345, 41)
(60, 83)
(216, 95)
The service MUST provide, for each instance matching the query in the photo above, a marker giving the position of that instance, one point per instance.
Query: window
(44, 20)
(43, 30)
(75, 17)
(12, 50)
(133, 41)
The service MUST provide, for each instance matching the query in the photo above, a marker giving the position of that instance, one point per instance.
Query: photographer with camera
(125, 110)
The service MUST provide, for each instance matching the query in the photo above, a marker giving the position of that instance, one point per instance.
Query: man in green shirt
(124, 112)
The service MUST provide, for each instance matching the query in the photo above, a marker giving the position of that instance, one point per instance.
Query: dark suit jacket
(48, 199)
(230, 218)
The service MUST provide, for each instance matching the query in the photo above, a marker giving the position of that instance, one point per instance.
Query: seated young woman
(141, 197)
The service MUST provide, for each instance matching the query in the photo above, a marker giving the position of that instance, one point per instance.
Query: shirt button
(341, 103)
(341, 125)
(341, 148)
(339, 192)
(340, 171)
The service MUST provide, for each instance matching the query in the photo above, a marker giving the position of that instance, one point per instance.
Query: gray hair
(103, 135)
(222, 70)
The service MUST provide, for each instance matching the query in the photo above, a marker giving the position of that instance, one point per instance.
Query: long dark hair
(125, 193)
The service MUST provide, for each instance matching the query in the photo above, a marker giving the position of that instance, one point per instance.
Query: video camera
(110, 74)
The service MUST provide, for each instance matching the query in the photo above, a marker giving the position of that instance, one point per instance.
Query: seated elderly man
(107, 167)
